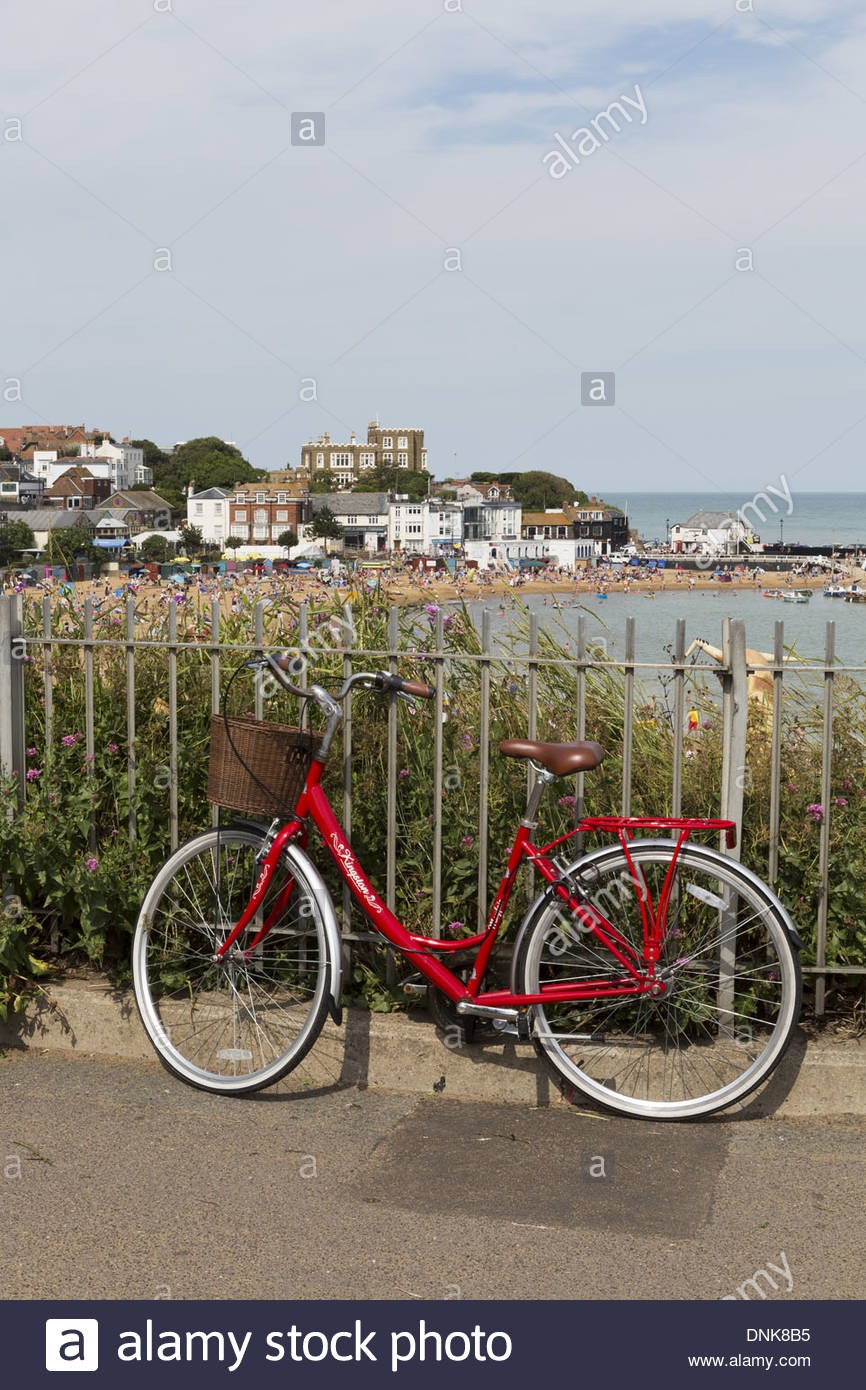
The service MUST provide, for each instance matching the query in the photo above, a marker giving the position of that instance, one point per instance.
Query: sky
(173, 265)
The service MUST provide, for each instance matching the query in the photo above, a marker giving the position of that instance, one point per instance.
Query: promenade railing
(26, 667)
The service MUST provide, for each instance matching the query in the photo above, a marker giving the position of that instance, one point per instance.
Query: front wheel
(731, 984)
(237, 1023)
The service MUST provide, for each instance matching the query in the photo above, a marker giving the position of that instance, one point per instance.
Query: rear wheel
(731, 980)
(235, 1024)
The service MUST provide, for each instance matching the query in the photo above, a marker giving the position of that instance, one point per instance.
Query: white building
(495, 520)
(209, 512)
(504, 555)
(424, 526)
(44, 465)
(363, 517)
(711, 533)
(126, 464)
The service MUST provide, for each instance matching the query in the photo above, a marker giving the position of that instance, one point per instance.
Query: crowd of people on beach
(236, 592)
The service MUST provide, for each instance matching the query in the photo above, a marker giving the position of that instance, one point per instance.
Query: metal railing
(733, 672)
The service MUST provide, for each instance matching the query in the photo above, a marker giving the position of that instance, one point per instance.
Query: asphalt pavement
(120, 1182)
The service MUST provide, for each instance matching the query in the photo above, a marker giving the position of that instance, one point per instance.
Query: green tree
(233, 542)
(153, 456)
(193, 540)
(209, 461)
(15, 536)
(156, 548)
(323, 481)
(326, 525)
(5, 454)
(288, 539)
(70, 543)
(391, 478)
(536, 490)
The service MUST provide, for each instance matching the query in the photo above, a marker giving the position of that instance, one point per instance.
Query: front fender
(295, 855)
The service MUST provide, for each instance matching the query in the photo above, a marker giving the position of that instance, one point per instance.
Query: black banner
(422, 1344)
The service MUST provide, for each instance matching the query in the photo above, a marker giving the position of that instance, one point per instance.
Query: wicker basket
(278, 754)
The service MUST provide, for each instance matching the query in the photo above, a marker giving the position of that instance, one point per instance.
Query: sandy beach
(237, 592)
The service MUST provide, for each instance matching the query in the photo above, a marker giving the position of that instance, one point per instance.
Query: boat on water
(838, 591)
(795, 596)
(772, 593)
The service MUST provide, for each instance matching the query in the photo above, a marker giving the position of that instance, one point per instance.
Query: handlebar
(385, 681)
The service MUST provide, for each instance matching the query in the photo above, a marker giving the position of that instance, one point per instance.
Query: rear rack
(624, 824)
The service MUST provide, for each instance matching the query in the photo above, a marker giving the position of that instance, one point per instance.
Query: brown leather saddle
(561, 759)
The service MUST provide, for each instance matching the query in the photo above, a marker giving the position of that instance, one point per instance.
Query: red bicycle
(655, 975)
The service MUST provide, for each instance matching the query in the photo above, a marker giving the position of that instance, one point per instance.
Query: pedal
(524, 1030)
(415, 985)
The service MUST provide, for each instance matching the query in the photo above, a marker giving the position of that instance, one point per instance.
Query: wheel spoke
(728, 1004)
(241, 1021)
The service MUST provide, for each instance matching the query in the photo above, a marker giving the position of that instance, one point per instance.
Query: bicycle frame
(639, 966)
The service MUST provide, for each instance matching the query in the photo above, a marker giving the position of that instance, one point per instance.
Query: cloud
(144, 129)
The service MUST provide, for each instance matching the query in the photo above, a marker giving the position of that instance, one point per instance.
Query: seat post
(542, 779)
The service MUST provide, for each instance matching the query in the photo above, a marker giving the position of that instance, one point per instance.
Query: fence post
(826, 790)
(736, 725)
(12, 742)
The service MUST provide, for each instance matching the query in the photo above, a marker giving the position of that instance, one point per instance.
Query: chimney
(190, 488)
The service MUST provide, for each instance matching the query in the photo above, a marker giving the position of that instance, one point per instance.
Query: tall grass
(75, 878)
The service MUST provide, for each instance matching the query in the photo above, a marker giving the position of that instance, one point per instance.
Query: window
(367, 460)
(320, 460)
(306, 460)
(282, 516)
(402, 442)
(260, 533)
(387, 441)
(198, 508)
(240, 531)
(240, 515)
(259, 515)
(261, 497)
(342, 460)
(240, 497)
(387, 458)
(403, 460)
(281, 499)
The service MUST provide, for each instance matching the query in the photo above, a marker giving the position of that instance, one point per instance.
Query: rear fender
(598, 856)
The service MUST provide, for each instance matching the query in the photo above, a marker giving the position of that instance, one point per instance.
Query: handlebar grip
(419, 689)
